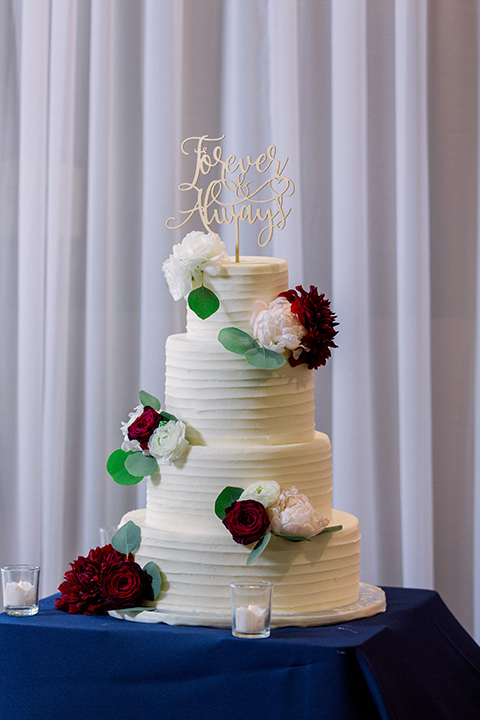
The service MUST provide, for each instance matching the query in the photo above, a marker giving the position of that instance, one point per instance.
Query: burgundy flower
(247, 520)
(144, 426)
(313, 311)
(124, 584)
(102, 581)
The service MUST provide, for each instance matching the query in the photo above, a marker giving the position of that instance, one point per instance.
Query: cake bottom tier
(197, 569)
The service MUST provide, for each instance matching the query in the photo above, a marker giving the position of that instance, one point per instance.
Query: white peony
(197, 253)
(168, 442)
(275, 326)
(204, 251)
(127, 443)
(178, 277)
(266, 492)
(294, 514)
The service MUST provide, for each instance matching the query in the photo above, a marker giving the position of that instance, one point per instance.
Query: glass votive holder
(20, 589)
(251, 608)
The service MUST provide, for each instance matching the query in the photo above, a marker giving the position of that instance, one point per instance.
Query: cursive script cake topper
(246, 190)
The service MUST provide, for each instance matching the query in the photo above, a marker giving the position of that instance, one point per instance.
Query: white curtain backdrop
(375, 102)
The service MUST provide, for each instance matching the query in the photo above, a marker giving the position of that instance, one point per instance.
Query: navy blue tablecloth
(413, 662)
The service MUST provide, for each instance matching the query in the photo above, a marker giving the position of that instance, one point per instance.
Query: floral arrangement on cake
(264, 509)
(109, 578)
(198, 253)
(298, 325)
(151, 437)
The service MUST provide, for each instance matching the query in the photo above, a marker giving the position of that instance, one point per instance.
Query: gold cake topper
(250, 201)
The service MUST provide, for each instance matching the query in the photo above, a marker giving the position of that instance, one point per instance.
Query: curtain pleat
(375, 103)
(414, 312)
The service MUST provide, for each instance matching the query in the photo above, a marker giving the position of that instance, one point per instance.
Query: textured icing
(238, 285)
(224, 399)
(308, 576)
(185, 494)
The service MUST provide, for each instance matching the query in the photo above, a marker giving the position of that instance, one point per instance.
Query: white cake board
(371, 600)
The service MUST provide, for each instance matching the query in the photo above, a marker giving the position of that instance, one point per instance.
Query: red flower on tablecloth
(104, 580)
(247, 520)
(314, 313)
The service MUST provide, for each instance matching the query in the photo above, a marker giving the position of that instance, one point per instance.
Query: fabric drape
(375, 103)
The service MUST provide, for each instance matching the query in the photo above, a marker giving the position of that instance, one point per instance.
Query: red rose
(124, 585)
(247, 520)
(142, 428)
(313, 311)
(89, 587)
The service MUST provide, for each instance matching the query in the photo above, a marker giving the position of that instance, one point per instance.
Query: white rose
(294, 514)
(204, 251)
(168, 442)
(178, 276)
(127, 443)
(266, 492)
(275, 326)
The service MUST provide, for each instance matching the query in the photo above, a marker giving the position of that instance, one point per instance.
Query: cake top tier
(238, 285)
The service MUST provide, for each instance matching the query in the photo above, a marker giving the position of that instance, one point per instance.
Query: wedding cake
(243, 488)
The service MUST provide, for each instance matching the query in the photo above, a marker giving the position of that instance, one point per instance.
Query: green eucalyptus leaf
(168, 416)
(116, 461)
(293, 538)
(203, 302)
(153, 571)
(225, 499)
(259, 548)
(148, 400)
(333, 528)
(237, 341)
(116, 468)
(127, 538)
(139, 465)
(264, 358)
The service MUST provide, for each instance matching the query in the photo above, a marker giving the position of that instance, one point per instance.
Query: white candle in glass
(21, 594)
(250, 619)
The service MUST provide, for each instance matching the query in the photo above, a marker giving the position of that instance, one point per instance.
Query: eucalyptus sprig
(203, 301)
(240, 342)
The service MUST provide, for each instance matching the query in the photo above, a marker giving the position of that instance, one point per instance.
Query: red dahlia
(247, 520)
(313, 311)
(104, 580)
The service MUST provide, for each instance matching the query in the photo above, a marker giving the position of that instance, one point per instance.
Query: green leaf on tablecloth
(148, 400)
(140, 465)
(127, 538)
(265, 359)
(153, 571)
(138, 608)
(228, 496)
(259, 548)
(237, 341)
(203, 302)
(116, 468)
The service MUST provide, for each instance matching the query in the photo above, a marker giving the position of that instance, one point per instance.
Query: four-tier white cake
(245, 425)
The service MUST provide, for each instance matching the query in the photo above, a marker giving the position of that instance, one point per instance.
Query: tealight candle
(20, 589)
(19, 594)
(250, 619)
(251, 608)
